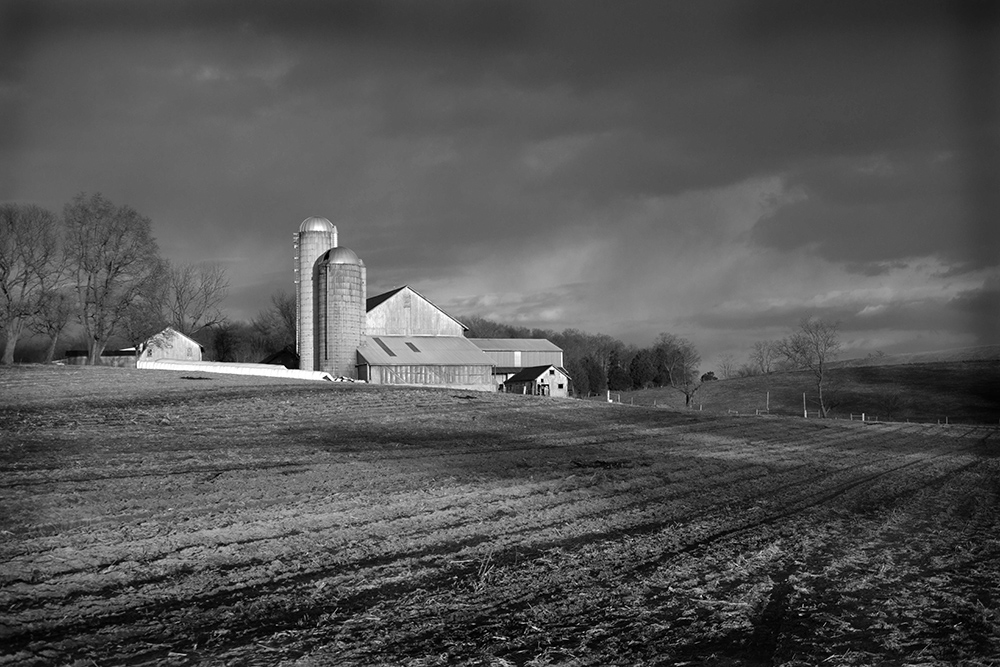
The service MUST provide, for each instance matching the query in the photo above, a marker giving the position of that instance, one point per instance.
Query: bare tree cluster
(194, 296)
(764, 356)
(101, 267)
(272, 330)
(114, 263)
(812, 347)
(680, 359)
(30, 270)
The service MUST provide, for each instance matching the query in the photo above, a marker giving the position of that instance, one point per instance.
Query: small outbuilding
(285, 357)
(168, 344)
(511, 355)
(539, 381)
(171, 344)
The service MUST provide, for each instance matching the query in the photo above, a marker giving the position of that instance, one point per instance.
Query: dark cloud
(905, 318)
(871, 214)
(440, 136)
(981, 309)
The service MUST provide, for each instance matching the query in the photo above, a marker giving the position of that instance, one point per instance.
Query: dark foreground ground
(152, 518)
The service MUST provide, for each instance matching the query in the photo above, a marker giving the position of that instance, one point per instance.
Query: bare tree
(145, 315)
(276, 324)
(727, 366)
(763, 356)
(679, 359)
(813, 346)
(56, 308)
(28, 266)
(111, 254)
(194, 295)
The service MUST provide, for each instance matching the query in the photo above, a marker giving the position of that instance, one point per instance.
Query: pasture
(954, 392)
(156, 518)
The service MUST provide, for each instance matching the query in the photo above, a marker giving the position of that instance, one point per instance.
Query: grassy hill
(978, 353)
(961, 392)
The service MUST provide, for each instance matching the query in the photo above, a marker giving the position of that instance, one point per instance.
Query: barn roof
(532, 373)
(523, 344)
(379, 299)
(171, 332)
(421, 351)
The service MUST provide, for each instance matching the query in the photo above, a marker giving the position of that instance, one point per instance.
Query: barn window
(551, 372)
(560, 385)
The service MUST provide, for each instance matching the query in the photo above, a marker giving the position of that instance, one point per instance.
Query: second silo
(340, 282)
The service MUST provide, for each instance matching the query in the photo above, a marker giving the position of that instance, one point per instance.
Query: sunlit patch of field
(929, 393)
(150, 518)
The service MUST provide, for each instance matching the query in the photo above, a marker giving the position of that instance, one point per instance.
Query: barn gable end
(404, 312)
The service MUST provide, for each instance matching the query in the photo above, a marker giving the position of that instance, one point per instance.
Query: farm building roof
(285, 357)
(170, 332)
(316, 224)
(524, 344)
(341, 255)
(532, 373)
(421, 351)
(378, 299)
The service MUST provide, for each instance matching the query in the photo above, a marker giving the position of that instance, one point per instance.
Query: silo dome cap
(316, 224)
(340, 255)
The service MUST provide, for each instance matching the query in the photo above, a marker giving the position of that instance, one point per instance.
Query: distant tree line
(270, 331)
(598, 362)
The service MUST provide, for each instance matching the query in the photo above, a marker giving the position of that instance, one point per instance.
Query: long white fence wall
(264, 370)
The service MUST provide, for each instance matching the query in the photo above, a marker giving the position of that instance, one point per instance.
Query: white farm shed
(539, 381)
(171, 344)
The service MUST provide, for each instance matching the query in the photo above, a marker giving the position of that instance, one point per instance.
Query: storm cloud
(717, 170)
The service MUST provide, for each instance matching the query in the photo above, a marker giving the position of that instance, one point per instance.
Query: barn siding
(171, 346)
(524, 358)
(471, 377)
(406, 313)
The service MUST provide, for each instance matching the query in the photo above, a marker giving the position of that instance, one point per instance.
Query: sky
(715, 170)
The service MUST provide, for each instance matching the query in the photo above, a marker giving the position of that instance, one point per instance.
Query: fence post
(805, 412)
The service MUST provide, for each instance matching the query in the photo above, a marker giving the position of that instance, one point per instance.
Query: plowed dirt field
(153, 518)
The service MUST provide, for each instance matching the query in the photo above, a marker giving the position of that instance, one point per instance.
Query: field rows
(224, 522)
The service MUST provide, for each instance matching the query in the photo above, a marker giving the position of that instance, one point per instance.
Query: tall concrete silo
(341, 288)
(315, 236)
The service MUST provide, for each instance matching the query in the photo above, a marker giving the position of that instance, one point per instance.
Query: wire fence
(806, 413)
